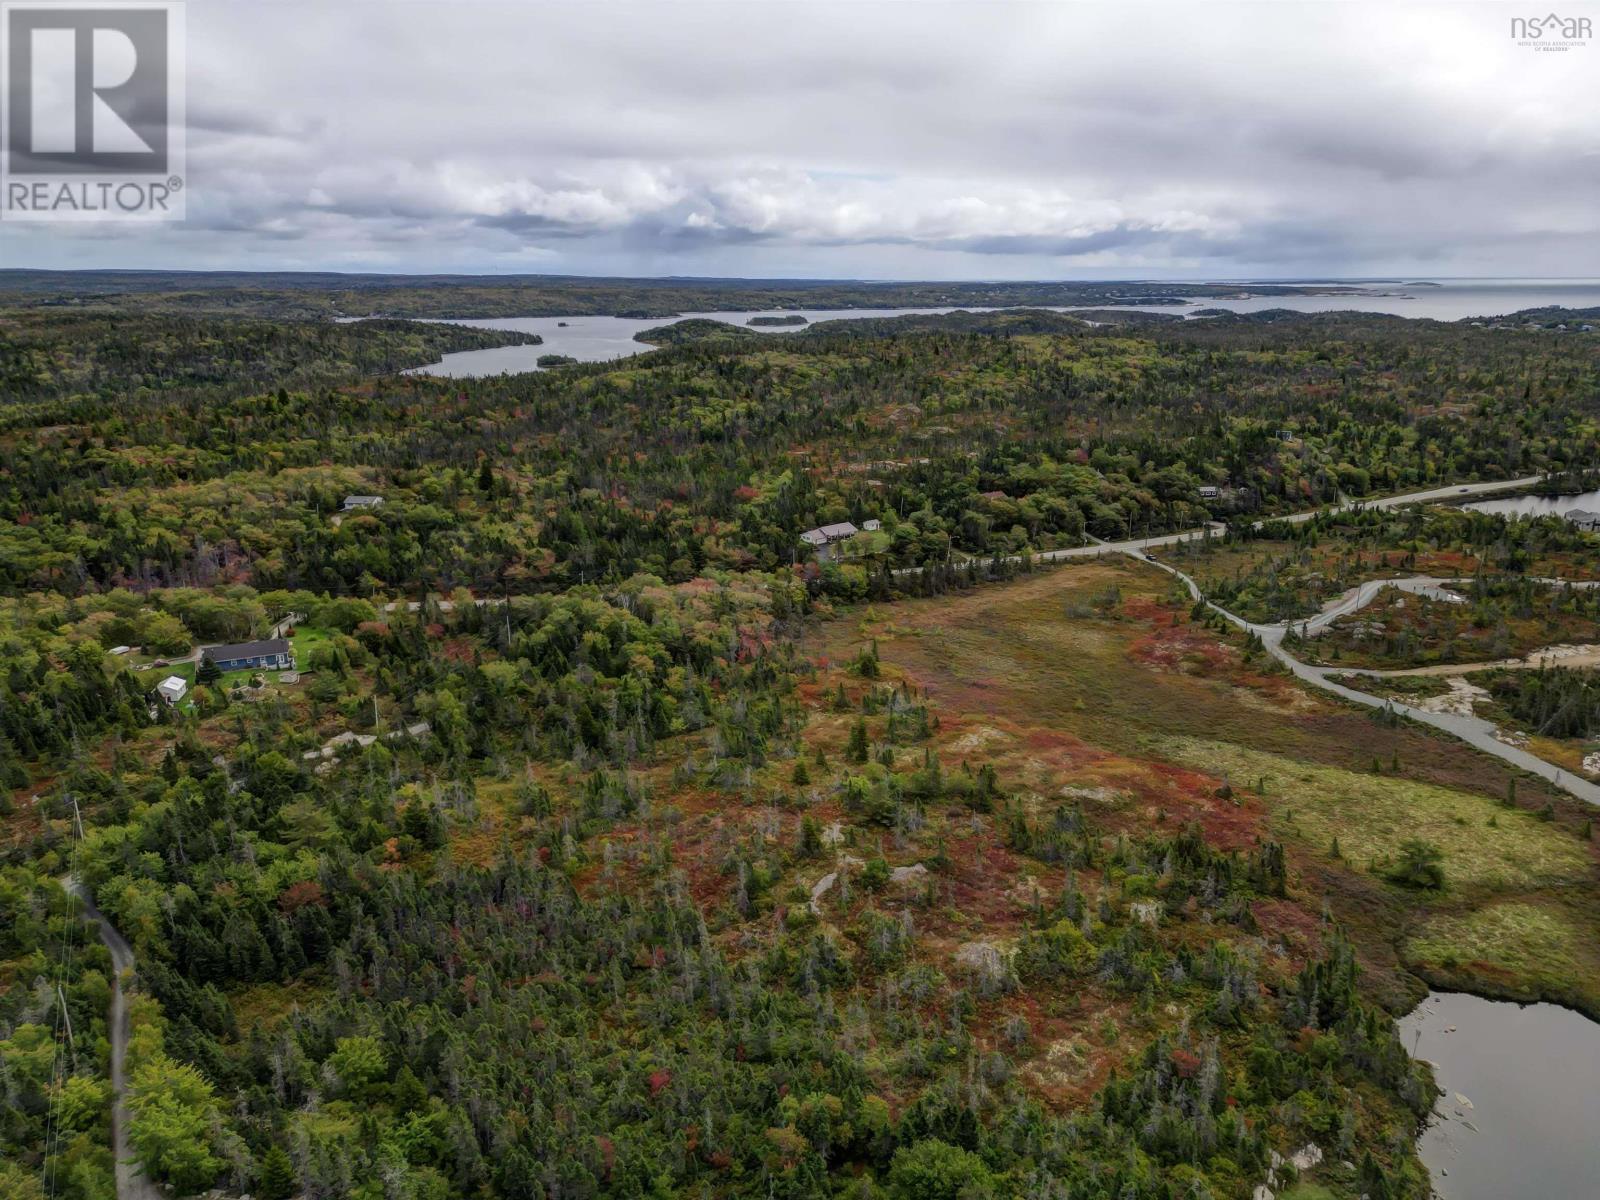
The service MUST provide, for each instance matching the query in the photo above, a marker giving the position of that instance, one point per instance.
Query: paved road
(1475, 731)
(1453, 492)
(131, 1182)
(1137, 546)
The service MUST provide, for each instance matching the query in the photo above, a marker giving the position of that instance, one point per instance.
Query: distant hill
(1550, 316)
(328, 294)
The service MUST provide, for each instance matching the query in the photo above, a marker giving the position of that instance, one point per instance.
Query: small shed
(173, 688)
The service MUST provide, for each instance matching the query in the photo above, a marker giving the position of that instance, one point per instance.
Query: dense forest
(557, 869)
(108, 354)
(712, 455)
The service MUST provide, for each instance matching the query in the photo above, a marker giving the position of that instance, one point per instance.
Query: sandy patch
(1458, 701)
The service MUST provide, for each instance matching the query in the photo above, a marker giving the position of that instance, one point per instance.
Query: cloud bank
(902, 139)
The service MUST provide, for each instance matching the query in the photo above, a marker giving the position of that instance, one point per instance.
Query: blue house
(272, 654)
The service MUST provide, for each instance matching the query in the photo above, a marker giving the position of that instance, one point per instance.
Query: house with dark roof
(270, 655)
(351, 503)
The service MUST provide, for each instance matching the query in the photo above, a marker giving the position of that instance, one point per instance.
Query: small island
(694, 329)
(555, 360)
(1124, 316)
(790, 319)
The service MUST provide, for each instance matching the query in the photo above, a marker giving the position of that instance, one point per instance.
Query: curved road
(1475, 731)
(131, 1183)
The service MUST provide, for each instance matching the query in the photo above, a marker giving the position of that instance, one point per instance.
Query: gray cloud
(924, 139)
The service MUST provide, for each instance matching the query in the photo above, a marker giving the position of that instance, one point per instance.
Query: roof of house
(261, 649)
(174, 684)
(829, 533)
(357, 501)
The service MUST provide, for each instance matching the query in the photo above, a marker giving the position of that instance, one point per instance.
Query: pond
(1521, 1102)
(1538, 506)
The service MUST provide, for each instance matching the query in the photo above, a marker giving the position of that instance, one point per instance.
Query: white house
(871, 526)
(173, 688)
(351, 503)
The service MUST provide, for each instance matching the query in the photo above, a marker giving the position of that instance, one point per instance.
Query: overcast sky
(909, 140)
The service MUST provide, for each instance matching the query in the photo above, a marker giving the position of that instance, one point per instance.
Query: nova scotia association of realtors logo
(93, 128)
(1552, 32)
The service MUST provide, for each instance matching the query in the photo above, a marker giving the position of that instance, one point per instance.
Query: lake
(1529, 1076)
(1537, 506)
(600, 338)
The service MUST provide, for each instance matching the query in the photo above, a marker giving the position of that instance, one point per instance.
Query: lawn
(867, 542)
(306, 638)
